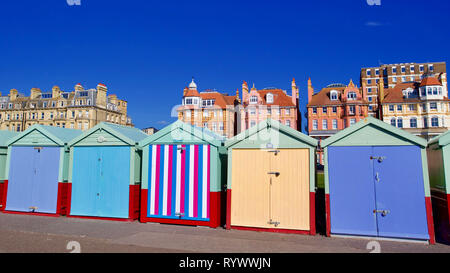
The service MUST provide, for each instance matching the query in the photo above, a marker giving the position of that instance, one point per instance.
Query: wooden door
(250, 204)
(289, 192)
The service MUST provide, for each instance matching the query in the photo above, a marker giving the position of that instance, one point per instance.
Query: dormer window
(253, 99)
(269, 98)
(333, 95)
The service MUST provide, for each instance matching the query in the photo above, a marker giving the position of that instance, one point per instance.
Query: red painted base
(441, 215)
(275, 230)
(215, 213)
(2, 186)
(60, 202)
(133, 206)
(327, 211)
(312, 218)
(3, 195)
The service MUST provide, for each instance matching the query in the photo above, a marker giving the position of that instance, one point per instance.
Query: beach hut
(183, 176)
(438, 153)
(5, 136)
(36, 170)
(104, 173)
(271, 180)
(376, 183)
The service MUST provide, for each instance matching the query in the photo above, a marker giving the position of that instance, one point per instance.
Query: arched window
(333, 95)
(393, 122)
(269, 98)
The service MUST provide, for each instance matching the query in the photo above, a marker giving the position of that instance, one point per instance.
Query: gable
(371, 135)
(101, 137)
(35, 138)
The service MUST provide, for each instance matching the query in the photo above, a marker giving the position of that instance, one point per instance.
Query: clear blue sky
(147, 51)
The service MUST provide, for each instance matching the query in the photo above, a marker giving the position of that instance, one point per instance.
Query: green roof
(270, 123)
(378, 124)
(60, 135)
(130, 135)
(442, 139)
(5, 136)
(196, 133)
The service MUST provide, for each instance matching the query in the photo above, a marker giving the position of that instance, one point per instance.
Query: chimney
(56, 92)
(79, 87)
(34, 93)
(101, 95)
(294, 92)
(310, 90)
(13, 94)
(244, 92)
(380, 92)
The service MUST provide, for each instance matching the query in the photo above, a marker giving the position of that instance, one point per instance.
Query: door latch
(33, 209)
(274, 151)
(275, 173)
(179, 214)
(273, 223)
(383, 212)
(379, 158)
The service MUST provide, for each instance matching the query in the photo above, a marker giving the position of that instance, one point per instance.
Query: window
(425, 122)
(335, 125)
(400, 123)
(369, 90)
(403, 69)
(399, 107)
(433, 106)
(377, 72)
(393, 122)
(188, 101)
(252, 123)
(42, 115)
(411, 68)
(412, 78)
(351, 95)
(421, 68)
(370, 108)
(334, 109)
(333, 95)
(429, 91)
(252, 111)
(403, 79)
(288, 123)
(351, 109)
(435, 91)
(315, 125)
(324, 110)
(253, 99)
(205, 124)
(324, 124)
(394, 70)
(431, 67)
(83, 94)
(214, 127)
(287, 111)
(269, 111)
(434, 122)
(86, 126)
(314, 110)
(370, 99)
(412, 107)
(269, 98)
(352, 121)
(221, 126)
(413, 123)
(394, 79)
(391, 108)
(440, 90)
(369, 81)
(368, 72)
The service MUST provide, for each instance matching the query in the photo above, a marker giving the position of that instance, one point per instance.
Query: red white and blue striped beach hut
(182, 176)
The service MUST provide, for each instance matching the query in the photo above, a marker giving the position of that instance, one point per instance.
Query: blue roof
(64, 134)
(5, 136)
(130, 132)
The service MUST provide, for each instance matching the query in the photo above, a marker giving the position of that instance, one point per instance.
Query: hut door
(352, 195)
(113, 187)
(400, 201)
(289, 189)
(250, 197)
(33, 179)
(179, 182)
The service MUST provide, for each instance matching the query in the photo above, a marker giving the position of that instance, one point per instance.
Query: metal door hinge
(383, 212)
(273, 223)
(379, 158)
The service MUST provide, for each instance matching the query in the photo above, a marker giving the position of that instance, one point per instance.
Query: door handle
(377, 177)
(383, 212)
